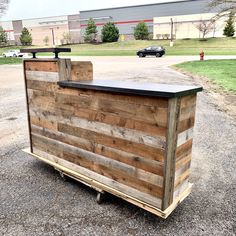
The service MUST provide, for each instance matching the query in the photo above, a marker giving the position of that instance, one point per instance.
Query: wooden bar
(132, 140)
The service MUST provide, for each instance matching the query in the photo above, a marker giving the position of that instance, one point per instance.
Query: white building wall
(8, 28)
(185, 26)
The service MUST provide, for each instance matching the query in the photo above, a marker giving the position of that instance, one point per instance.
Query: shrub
(90, 31)
(141, 31)
(3, 36)
(25, 37)
(229, 28)
(110, 33)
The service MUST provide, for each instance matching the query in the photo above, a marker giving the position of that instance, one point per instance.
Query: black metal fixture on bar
(56, 51)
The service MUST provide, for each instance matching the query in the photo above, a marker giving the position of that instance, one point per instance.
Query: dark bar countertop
(133, 88)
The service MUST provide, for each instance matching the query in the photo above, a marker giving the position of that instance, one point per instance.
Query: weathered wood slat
(186, 124)
(41, 85)
(188, 101)
(184, 137)
(129, 99)
(96, 163)
(41, 122)
(40, 98)
(89, 145)
(92, 159)
(181, 188)
(102, 179)
(42, 76)
(182, 178)
(110, 141)
(157, 142)
(116, 120)
(173, 118)
(183, 161)
(184, 149)
(150, 114)
(81, 71)
(49, 66)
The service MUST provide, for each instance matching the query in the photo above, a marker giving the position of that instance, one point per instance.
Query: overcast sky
(23, 9)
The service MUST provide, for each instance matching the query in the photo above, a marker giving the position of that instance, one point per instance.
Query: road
(35, 201)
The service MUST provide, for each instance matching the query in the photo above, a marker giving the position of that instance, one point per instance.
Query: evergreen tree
(141, 31)
(90, 31)
(229, 28)
(3, 36)
(25, 37)
(110, 33)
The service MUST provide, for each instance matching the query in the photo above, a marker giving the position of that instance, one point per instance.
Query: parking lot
(34, 200)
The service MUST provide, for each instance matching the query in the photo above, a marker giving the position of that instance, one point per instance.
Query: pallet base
(101, 188)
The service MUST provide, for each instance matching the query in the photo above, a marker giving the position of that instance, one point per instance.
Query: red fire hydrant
(202, 56)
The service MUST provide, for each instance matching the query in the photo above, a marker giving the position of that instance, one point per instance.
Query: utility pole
(171, 34)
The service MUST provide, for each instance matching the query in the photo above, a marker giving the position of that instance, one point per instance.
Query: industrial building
(185, 15)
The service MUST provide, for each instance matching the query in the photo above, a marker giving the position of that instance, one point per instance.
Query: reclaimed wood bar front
(129, 139)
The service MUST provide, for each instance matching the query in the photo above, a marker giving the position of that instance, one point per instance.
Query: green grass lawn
(220, 72)
(213, 46)
(10, 60)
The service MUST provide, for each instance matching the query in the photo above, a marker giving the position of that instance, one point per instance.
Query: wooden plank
(188, 101)
(64, 66)
(42, 76)
(49, 66)
(183, 161)
(52, 125)
(102, 160)
(137, 149)
(157, 142)
(117, 97)
(149, 114)
(27, 105)
(116, 120)
(95, 179)
(115, 170)
(186, 124)
(173, 116)
(110, 141)
(182, 169)
(187, 112)
(154, 167)
(91, 115)
(81, 71)
(182, 178)
(181, 188)
(130, 195)
(184, 137)
(41, 85)
(184, 149)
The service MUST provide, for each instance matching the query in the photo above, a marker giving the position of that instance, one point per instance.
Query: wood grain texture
(46, 66)
(115, 170)
(136, 161)
(149, 114)
(42, 76)
(105, 181)
(81, 71)
(169, 176)
(64, 66)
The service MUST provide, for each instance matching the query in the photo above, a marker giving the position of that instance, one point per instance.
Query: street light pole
(171, 34)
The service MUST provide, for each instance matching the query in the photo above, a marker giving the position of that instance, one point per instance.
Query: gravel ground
(34, 200)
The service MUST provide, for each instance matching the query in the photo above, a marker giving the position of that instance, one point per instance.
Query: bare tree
(205, 27)
(3, 6)
(223, 7)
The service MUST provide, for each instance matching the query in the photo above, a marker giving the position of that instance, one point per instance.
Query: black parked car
(152, 51)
